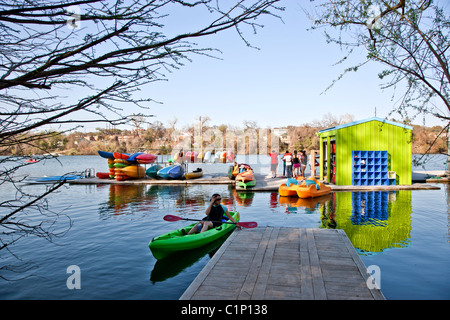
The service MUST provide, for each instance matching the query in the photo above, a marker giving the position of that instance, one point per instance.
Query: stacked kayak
(123, 166)
(246, 179)
(237, 168)
(173, 241)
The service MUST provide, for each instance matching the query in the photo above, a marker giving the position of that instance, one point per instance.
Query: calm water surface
(405, 233)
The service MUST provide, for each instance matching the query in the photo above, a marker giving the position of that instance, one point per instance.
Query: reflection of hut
(384, 225)
(367, 152)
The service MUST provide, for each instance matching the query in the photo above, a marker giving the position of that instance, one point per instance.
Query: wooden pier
(284, 263)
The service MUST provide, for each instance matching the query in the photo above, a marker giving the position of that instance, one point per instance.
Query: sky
(280, 84)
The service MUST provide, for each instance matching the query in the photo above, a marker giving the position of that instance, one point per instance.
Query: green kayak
(173, 241)
(248, 184)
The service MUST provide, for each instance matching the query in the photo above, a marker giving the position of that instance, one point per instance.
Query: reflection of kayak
(194, 174)
(173, 241)
(173, 265)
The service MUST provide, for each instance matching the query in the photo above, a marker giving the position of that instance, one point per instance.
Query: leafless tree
(70, 62)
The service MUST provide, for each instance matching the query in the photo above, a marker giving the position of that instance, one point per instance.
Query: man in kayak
(214, 214)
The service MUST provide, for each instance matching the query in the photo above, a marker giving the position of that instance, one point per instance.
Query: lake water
(405, 233)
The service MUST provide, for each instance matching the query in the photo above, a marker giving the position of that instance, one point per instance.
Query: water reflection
(374, 221)
(310, 205)
(173, 265)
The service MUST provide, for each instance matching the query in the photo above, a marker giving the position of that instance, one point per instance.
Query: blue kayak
(171, 172)
(132, 158)
(152, 172)
(54, 179)
(104, 154)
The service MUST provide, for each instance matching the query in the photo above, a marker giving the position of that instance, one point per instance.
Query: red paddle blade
(250, 224)
(172, 218)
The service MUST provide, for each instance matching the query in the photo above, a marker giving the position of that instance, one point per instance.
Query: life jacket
(216, 213)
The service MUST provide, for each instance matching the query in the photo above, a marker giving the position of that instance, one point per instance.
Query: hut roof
(366, 120)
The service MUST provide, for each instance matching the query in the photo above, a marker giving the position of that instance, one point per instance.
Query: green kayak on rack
(248, 184)
(173, 241)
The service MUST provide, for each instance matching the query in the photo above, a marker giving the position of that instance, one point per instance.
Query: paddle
(250, 224)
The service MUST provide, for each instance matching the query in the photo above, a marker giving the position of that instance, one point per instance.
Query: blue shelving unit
(371, 168)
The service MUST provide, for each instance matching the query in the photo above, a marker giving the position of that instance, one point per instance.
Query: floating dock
(269, 184)
(203, 180)
(263, 183)
(284, 263)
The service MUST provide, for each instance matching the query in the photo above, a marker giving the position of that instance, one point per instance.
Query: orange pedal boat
(312, 188)
(288, 189)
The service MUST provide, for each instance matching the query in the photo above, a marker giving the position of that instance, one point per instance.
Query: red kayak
(102, 175)
(146, 158)
(118, 155)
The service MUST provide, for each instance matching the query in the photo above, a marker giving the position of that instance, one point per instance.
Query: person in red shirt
(273, 163)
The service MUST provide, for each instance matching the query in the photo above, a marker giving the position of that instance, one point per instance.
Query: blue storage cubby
(370, 168)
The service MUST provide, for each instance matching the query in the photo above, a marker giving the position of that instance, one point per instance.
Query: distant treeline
(159, 139)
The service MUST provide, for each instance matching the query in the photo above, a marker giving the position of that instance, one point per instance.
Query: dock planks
(284, 263)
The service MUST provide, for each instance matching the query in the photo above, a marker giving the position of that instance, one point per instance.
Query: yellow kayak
(194, 174)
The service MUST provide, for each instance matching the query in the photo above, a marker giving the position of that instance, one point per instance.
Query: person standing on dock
(288, 158)
(303, 161)
(295, 164)
(284, 162)
(273, 163)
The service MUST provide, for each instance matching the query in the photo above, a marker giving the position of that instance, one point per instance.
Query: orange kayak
(245, 176)
(131, 171)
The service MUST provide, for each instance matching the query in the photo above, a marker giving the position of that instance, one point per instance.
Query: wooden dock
(263, 183)
(269, 184)
(284, 263)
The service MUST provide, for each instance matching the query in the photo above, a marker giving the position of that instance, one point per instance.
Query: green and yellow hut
(373, 151)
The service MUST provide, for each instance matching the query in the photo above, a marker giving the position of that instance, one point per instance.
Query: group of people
(294, 165)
